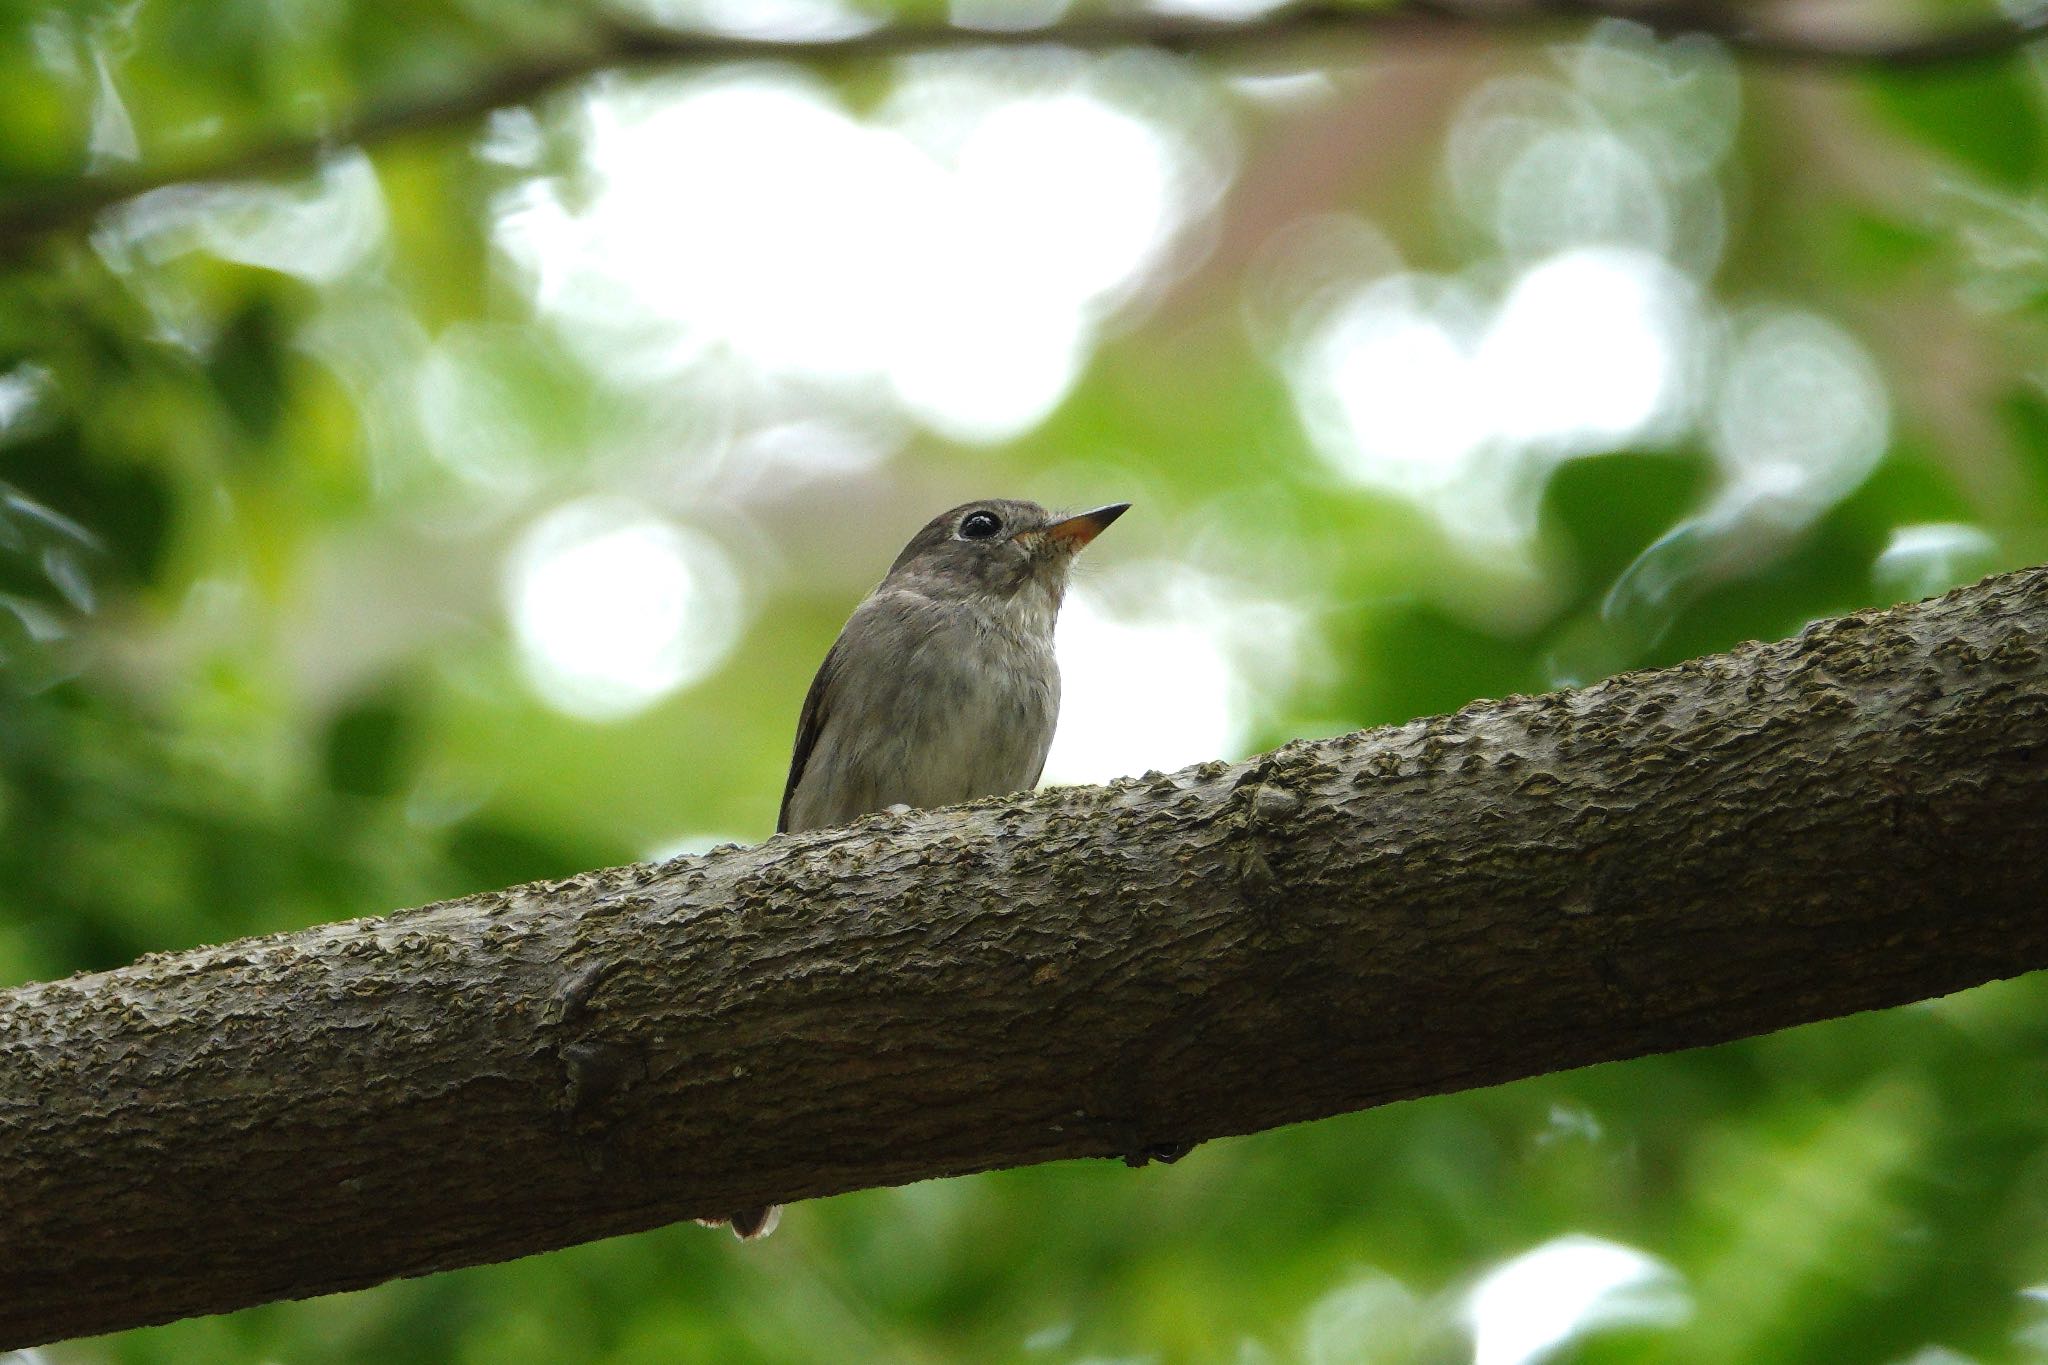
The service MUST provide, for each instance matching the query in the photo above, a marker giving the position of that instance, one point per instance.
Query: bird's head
(994, 549)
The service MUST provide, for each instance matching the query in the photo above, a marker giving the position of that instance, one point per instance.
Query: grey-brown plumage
(942, 687)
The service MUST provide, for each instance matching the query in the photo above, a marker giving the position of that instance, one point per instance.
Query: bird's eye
(979, 525)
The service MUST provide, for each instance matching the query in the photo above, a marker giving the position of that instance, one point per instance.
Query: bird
(942, 686)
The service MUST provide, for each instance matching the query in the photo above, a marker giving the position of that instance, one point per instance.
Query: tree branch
(73, 203)
(1787, 832)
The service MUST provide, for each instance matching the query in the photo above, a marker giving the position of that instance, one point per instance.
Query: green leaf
(368, 747)
(1983, 116)
(247, 368)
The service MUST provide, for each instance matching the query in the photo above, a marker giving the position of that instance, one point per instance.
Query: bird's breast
(973, 717)
(965, 711)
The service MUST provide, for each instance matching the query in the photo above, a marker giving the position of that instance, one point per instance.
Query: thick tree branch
(1787, 832)
(74, 203)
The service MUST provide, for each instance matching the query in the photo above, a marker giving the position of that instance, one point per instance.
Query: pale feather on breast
(955, 705)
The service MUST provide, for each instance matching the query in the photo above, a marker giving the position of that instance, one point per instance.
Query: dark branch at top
(72, 203)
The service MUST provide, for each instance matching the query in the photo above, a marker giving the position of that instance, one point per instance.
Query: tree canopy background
(472, 504)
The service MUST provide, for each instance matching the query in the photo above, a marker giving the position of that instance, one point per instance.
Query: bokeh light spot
(1584, 352)
(1138, 694)
(1932, 557)
(1802, 412)
(614, 610)
(1525, 1309)
(952, 253)
(1163, 665)
(1413, 385)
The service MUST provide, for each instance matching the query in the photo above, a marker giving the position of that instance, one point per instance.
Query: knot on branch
(594, 1070)
(1263, 815)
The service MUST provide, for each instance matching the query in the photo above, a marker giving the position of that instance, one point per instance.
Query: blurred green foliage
(271, 459)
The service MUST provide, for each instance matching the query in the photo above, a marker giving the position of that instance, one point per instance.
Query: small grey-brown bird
(942, 687)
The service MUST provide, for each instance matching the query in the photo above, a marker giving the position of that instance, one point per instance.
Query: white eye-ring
(980, 525)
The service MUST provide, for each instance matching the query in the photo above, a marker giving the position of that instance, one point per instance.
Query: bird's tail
(748, 1224)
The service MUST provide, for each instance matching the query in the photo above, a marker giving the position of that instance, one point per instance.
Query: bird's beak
(1082, 527)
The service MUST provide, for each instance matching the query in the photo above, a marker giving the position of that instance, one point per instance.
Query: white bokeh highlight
(614, 609)
(1930, 557)
(1525, 1309)
(318, 229)
(1587, 350)
(1162, 666)
(1418, 385)
(1138, 695)
(772, 20)
(1369, 1319)
(1802, 414)
(953, 254)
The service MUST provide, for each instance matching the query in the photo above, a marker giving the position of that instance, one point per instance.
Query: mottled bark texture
(1783, 833)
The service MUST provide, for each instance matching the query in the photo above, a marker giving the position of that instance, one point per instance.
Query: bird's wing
(809, 723)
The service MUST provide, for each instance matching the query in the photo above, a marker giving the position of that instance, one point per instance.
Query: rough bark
(1783, 833)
